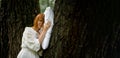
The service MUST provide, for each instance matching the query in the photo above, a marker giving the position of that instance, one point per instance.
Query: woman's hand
(42, 34)
(47, 25)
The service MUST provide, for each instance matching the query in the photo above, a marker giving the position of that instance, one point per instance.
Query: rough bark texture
(85, 29)
(15, 15)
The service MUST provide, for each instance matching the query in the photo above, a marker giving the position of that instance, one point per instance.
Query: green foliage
(46, 3)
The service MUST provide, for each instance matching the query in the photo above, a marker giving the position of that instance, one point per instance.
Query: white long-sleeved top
(30, 44)
(30, 39)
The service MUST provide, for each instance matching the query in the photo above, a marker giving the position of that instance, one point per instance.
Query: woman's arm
(29, 40)
(42, 34)
(49, 16)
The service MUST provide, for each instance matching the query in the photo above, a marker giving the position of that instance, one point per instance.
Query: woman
(33, 37)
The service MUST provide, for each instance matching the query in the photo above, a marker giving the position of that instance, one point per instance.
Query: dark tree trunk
(85, 29)
(14, 16)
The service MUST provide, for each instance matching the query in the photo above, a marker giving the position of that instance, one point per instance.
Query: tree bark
(15, 15)
(82, 29)
(85, 29)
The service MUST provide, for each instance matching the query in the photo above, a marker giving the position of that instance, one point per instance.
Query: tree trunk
(15, 15)
(85, 29)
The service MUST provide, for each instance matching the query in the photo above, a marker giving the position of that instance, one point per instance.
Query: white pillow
(49, 16)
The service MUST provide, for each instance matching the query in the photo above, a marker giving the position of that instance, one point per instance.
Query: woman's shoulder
(29, 29)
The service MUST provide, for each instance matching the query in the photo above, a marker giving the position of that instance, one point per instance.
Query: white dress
(30, 45)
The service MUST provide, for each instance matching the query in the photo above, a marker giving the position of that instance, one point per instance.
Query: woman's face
(40, 23)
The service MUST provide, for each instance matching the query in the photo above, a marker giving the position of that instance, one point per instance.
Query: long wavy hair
(37, 18)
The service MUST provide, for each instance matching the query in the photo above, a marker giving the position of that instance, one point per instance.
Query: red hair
(37, 18)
